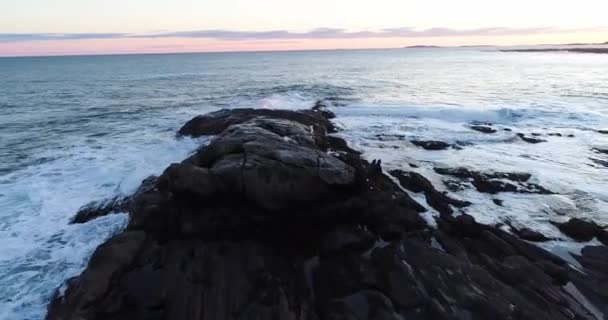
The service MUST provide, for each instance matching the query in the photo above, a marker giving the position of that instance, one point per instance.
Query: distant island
(577, 50)
(586, 44)
(422, 47)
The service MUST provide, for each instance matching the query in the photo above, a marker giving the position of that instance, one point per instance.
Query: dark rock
(483, 129)
(600, 150)
(580, 230)
(600, 162)
(507, 129)
(321, 107)
(602, 131)
(555, 134)
(493, 182)
(530, 140)
(530, 235)
(456, 185)
(498, 202)
(189, 179)
(415, 182)
(603, 237)
(109, 260)
(431, 145)
(346, 238)
(118, 204)
(216, 122)
(570, 136)
(264, 224)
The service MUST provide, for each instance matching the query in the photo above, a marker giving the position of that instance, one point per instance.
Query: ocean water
(78, 129)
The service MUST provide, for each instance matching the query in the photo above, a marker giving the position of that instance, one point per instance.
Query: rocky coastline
(276, 218)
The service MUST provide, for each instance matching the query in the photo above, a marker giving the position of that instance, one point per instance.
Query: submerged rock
(600, 162)
(530, 140)
(431, 144)
(483, 129)
(600, 150)
(263, 223)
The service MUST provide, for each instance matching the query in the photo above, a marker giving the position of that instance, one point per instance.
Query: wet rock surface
(263, 223)
(496, 182)
(582, 230)
(483, 128)
(431, 144)
(532, 140)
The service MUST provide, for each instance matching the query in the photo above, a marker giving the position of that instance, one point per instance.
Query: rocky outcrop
(119, 204)
(264, 223)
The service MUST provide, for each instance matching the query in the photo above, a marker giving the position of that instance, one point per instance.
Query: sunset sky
(44, 27)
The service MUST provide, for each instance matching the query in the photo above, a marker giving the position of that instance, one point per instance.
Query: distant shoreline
(577, 50)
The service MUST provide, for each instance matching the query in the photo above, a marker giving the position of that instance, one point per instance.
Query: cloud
(320, 33)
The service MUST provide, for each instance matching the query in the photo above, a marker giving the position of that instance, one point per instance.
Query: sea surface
(78, 129)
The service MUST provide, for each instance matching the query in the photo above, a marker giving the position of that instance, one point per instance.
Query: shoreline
(574, 50)
(287, 221)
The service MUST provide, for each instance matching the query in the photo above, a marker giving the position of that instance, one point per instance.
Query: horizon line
(290, 50)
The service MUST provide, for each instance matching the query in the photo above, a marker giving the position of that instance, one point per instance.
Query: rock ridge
(278, 219)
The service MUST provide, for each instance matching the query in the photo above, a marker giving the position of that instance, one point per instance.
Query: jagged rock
(417, 183)
(431, 145)
(216, 122)
(483, 129)
(530, 140)
(321, 107)
(263, 224)
(530, 235)
(118, 204)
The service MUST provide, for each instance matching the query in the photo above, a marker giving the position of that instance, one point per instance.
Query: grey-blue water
(77, 129)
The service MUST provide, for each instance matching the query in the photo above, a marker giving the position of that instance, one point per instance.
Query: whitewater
(80, 129)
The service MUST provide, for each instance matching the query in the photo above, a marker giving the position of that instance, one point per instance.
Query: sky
(56, 27)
